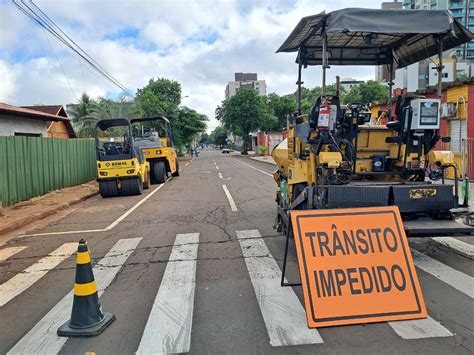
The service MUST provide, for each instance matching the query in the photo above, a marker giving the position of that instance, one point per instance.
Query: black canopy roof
(371, 37)
(147, 119)
(114, 122)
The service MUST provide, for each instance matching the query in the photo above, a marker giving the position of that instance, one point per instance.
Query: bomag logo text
(119, 163)
(417, 194)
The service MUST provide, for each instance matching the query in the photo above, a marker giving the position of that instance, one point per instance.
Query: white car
(225, 151)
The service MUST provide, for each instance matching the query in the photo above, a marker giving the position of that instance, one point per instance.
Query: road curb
(30, 219)
(263, 161)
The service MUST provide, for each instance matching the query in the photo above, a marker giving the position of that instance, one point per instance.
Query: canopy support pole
(325, 61)
(299, 83)
(439, 69)
(390, 86)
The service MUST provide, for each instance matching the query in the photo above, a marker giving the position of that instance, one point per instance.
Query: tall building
(349, 83)
(381, 71)
(247, 80)
(462, 10)
(421, 75)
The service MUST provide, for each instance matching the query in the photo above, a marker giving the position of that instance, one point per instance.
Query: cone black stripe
(87, 318)
(84, 274)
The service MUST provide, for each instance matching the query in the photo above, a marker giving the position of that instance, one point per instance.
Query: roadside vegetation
(160, 97)
(246, 112)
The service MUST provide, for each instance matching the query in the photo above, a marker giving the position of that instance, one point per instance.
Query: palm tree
(83, 116)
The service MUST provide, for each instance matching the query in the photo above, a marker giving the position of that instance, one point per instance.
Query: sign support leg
(285, 258)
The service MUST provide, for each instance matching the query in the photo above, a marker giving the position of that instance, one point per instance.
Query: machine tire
(159, 172)
(176, 173)
(133, 186)
(146, 183)
(108, 189)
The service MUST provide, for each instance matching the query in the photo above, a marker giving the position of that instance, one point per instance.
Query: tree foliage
(162, 97)
(243, 113)
(280, 107)
(84, 116)
(218, 136)
(371, 91)
(187, 125)
(159, 97)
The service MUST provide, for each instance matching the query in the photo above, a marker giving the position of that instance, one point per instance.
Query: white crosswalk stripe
(452, 277)
(25, 279)
(169, 324)
(262, 266)
(420, 329)
(282, 312)
(42, 338)
(168, 329)
(456, 244)
(9, 252)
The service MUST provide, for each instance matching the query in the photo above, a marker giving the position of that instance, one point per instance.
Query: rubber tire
(133, 186)
(108, 188)
(176, 173)
(159, 172)
(146, 183)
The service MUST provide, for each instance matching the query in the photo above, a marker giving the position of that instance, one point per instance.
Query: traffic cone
(87, 319)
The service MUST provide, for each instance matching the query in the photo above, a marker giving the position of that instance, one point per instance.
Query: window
(28, 134)
(457, 132)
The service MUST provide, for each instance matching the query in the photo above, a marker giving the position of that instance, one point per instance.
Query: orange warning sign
(356, 266)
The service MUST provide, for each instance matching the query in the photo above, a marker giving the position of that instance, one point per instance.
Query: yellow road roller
(154, 138)
(121, 167)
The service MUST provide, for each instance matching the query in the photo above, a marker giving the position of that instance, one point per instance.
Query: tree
(243, 113)
(218, 136)
(204, 138)
(371, 91)
(84, 116)
(280, 107)
(122, 108)
(162, 97)
(187, 125)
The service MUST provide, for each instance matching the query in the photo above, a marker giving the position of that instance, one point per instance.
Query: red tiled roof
(28, 113)
(56, 110)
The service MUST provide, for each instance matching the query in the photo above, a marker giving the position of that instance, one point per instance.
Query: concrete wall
(10, 125)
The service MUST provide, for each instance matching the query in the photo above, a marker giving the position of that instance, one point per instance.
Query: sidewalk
(266, 159)
(36, 208)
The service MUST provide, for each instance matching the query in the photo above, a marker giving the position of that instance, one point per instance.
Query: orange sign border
(420, 312)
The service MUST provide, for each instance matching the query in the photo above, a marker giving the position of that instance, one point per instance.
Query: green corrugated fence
(34, 166)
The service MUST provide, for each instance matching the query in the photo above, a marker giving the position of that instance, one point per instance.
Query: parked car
(225, 151)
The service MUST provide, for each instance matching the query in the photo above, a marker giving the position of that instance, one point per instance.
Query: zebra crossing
(169, 325)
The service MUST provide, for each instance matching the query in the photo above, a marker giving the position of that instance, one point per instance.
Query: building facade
(381, 71)
(462, 10)
(56, 129)
(349, 83)
(247, 80)
(20, 121)
(421, 75)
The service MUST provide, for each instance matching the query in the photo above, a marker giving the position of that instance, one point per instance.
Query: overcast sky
(198, 43)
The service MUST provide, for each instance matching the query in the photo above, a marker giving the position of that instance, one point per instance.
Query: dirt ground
(36, 208)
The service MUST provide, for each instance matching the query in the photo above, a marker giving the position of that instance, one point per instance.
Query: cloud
(200, 44)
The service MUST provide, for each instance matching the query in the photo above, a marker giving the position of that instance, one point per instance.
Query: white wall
(10, 125)
(447, 70)
(412, 79)
(400, 80)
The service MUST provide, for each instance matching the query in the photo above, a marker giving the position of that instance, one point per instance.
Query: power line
(60, 66)
(32, 11)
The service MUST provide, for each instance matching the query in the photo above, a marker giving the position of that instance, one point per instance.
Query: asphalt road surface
(193, 266)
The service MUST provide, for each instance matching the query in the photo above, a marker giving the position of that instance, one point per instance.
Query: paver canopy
(373, 37)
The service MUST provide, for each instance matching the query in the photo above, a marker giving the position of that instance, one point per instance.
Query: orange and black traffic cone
(87, 318)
